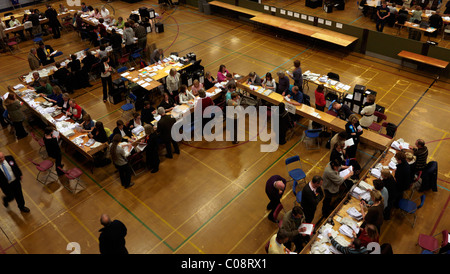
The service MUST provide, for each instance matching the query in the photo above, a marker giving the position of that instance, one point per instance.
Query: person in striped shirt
(421, 153)
(354, 247)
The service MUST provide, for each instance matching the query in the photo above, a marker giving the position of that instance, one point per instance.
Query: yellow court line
(49, 220)
(165, 222)
(16, 239)
(215, 171)
(438, 145)
(420, 122)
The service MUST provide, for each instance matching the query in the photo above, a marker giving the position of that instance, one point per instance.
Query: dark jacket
(165, 126)
(125, 129)
(310, 200)
(271, 191)
(403, 176)
(112, 238)
(52, 15)
(147, 115)
(43, 56)
(15, 169)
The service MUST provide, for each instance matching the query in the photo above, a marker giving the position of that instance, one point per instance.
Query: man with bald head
(10, 177)
(112, 236)
(275, 187)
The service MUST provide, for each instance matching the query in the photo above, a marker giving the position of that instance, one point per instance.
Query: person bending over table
(123, 130)
(135, 122)
(296, 97)
(156, 56)
(269, 83)
(184, 95)
(343, 111)
(147, 113)
(254, 79)
(275, 187)
(74, 111)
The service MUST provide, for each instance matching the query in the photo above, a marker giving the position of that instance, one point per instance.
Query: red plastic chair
(375, 126)
(44, 166)
(124, 59)
(331, 112)
(430, 243)
(73, 174)
(41, 144)
(11, 43)
(276, 213)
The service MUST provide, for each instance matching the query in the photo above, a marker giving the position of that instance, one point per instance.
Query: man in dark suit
(112, 237)
(53, 21)
(164, 128)
(10, 177)
(44, 54)
(62, 75)
(275, 187)
(312, 194)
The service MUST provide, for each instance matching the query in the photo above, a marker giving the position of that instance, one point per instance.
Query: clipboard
(309, 228)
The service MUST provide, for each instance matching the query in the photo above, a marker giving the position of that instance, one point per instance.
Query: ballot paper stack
(65, 128)
(399, 143)
(359, 193)
(137, 130)
(320, 248)
(365, 186)
(354, 213)
(90, 142)
(376, 171)
(351, 223)
(346, 231)
(393, 163)
(342, 241)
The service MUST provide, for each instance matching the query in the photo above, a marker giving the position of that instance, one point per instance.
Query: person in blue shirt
(296, 96)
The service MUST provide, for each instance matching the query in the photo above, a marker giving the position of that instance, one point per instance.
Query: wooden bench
(234, 8)
(423, 59)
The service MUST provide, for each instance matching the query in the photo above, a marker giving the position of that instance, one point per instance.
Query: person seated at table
(88, 124)
(368, 111)
(222, 73)
(36, 80)
(62, 76)
(340, 138)
(147, 113)
(402, 15)
(167, 103)
(354, 247)
(196, 86)
(231, 80)
(295, 96)
(13, 22)
(62, 8)
(254, 79)
(98, 133)
(368, 234)
(102, 52)
(123, 130)
(391, 186)
(57, 96)
(44, 53)
(104, 13)
(436, 22)
(96, 14)
(342, 110)
(283, 83)
(276, 243)
(173, 82)
(184, 95)
(269, 83)
(339, 154)
(136, 121)
(416, 16)
(231, 89)
(64, 104)
(320, 98)
(84, 8)
(156, 56)
(88, 61)
(81, 77)
(375, 208)
(75, 112)
(45, 89)
(209, 80)
(120, 24)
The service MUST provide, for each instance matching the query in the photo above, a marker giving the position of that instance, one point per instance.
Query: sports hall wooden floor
(210, 198)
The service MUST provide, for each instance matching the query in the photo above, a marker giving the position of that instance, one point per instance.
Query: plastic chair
(95, 70)
(59, 53)
(129, 106)
(296, 174)
(136, 54)
(375, 126)
(124, 59)
(73, 174)
(11, 43)
(410, 207)
(120, 70)
(44, 166)
(430, 243)
(298, 194)
(41, 144)
(276, 213)
(38, 38)
(313, 134)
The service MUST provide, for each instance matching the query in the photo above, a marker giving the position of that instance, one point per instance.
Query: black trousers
(13, 191)
(20, 130)
(152, 159)
(125, 174)
(380, 24)
(169, 147)
(55, 29)
(107, 85)
(58, 162)
(272, 205)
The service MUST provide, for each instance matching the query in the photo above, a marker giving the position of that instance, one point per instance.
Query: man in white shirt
(276, 243)
(10, 177)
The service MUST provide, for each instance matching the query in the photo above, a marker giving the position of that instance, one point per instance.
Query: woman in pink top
(320, 98)
(222, 73)
(196, 86)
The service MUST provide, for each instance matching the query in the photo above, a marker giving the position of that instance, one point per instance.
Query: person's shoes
(130, 185)
(155, 170)
(25, 209)
(169, 156)
(235, 142)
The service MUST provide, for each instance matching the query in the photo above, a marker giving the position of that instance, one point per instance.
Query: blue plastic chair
(59, 53)
(410, 207)
(136, 54)
(296, 174)
(298, 194)
(129, 106)
(120, 70)
(38, 38)
(313, 134)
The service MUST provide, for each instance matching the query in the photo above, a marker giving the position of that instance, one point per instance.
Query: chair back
(380, 115)
(277, 210)
(444, 237)
(292, 159)
(132, 97)
(422, 201)
(122, 69)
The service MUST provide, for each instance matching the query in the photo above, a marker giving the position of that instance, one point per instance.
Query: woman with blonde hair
(196, 86)
(374, 213)
(173, 82)
(354, 130)
(368, 112)
(367, 235)
(120, 161)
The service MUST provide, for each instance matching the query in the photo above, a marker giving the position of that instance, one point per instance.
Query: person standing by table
(320, 98)
(173, 82)
(53, 149)
(44, 52)
(164, 130)
(120, 161)
(53, 21)
(283, 83)
(112, 236)
(275, 187)
(383, 13)
(297, 75)
(368, 112)
(276, 243)
(33, 60)
(15, 115)
(312, 194)
(105, 74)
(354, 130)
(10, 177)
(151, 150)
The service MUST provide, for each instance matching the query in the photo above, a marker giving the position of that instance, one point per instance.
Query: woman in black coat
(402, 175)
(53, 149)
(284, 124)
(354, 130)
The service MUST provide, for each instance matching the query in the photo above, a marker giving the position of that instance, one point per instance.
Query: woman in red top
(367, 235)
(320, 98)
